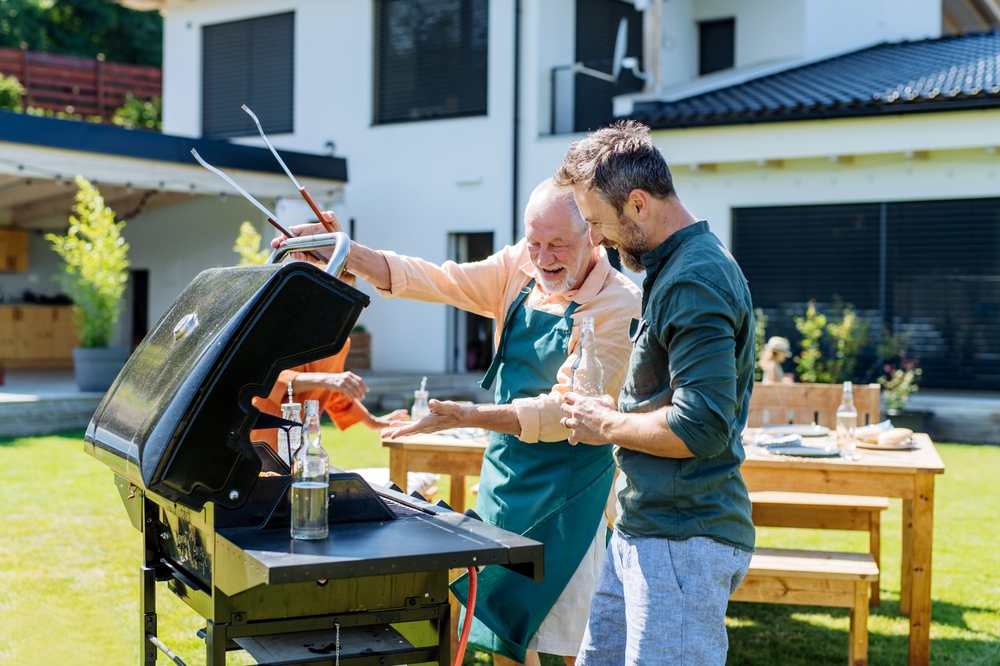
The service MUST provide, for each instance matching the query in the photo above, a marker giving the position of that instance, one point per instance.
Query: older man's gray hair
(547, 195)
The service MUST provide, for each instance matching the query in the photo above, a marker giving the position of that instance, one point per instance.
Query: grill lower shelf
(378, 644)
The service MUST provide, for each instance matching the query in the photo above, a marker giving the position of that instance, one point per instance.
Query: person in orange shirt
(339, 393)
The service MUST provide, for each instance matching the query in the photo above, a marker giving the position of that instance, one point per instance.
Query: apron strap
(491, 373)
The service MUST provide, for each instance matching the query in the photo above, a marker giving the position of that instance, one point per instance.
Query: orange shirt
(343, 410)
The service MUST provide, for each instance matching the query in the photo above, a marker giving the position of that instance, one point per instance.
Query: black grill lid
(177, 419)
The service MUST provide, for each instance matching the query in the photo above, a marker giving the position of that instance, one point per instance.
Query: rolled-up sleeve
(700, 339)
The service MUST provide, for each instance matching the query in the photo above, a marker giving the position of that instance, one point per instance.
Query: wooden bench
(780, 404)
(815, 578)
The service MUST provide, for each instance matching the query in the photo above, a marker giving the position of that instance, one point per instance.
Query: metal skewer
(299, 187)
(271, 217)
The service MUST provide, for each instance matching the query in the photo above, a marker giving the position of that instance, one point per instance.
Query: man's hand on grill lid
(444, 414)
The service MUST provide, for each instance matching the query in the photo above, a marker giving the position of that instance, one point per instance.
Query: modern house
(840, 149)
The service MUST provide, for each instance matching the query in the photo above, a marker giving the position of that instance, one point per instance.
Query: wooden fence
(90, 87)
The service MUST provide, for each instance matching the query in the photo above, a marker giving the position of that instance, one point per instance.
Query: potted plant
(95, 272)
(899, 383)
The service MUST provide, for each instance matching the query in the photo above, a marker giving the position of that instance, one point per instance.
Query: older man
(683, 541)
(533, 482)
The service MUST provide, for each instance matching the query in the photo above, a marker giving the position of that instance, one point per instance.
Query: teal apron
(551, 492)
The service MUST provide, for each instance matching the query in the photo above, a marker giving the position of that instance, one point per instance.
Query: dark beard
(634, 243)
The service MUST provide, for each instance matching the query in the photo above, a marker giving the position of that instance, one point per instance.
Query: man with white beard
(533, 482)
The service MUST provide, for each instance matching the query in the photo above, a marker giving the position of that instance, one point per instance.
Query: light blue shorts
(662, 602)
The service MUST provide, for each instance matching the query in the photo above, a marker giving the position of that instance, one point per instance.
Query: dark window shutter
(596, 29)
(939, 280)
(248, 62)
(430, 59)
(716, 45)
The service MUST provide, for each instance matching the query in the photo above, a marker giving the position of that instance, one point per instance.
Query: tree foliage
(83, 28)
(248, 246)
(95, 265)
(139, 113)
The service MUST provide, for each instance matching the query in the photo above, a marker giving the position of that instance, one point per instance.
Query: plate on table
(908, 446)
(800, 430)
(805, 451)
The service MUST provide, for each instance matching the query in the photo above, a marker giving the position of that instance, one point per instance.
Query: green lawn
(69, 560)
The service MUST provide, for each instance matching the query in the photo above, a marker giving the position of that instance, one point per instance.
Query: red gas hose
(469, 610)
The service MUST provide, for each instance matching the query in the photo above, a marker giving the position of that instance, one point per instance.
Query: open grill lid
(177, 419)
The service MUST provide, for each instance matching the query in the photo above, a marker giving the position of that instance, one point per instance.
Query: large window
(430, 59)
(248, 62)
(596, 29)
(927, 269)
(716, 45)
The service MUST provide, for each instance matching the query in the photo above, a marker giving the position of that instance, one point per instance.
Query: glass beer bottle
(588, 373)
(310, 481)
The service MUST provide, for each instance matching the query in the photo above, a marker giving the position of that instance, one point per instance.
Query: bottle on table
(290, 439)
(588, 372)
(420, 407)
(310, 481)
(847, 421)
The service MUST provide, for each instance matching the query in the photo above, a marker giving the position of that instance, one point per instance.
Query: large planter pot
(97, 367)
(915, 420)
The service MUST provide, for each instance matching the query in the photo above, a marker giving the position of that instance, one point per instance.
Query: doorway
(138, 300)
(470, 336)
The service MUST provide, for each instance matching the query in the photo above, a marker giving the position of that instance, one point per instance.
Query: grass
(69, 568)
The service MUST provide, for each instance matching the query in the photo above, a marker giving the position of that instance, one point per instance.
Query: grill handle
(338, 240)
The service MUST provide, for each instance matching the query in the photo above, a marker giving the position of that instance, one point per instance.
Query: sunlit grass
(69, 563)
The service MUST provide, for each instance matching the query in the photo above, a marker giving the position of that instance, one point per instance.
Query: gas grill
(174, 428)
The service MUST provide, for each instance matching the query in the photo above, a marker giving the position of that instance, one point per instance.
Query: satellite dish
(621, 44)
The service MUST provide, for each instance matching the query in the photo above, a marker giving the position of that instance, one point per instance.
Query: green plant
(11, 92)
(139, 113)
(359, 328)
(899, 384)
(248, 246)
(759, 332)
(829, 349)
(95, 265)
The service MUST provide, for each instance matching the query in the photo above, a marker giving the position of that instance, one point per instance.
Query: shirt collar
(659, 254)
(590, 288)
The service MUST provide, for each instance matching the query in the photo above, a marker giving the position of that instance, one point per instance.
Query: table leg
(920, 587)
(399, 468)
(906, 556)
(875, 547)
(457, 499)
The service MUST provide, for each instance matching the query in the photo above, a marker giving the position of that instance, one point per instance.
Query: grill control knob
(188, 323)
(234, 495)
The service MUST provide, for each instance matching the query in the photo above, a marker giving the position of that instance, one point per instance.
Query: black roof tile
(944, 74)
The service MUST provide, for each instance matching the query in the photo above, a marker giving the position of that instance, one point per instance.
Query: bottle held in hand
(588, 373)
(310, 481)
(847, 422)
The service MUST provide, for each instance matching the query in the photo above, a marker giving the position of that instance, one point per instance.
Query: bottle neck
(588, 342)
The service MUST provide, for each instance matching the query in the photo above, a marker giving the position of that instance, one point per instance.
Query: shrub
(95, 265)
(140, 113)
(11, 93)
(759, 333)
(829, 349)
(248, 246)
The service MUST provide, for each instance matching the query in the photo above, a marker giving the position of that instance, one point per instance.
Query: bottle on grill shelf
(588, 372)
(290, 439)
(310, 481)
(847, 422)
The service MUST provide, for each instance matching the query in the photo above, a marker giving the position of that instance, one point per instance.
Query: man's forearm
(646, 433)
(369, 265)
(496, 418)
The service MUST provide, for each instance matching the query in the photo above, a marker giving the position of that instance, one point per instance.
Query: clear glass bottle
(310, 481)
(588, 372)
(420, 407)
(288, 442)
(847, 421)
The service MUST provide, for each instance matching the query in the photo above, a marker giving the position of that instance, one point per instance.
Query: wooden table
(440, 454)
(908, 475)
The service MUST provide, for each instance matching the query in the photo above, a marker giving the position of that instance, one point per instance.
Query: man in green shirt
(683, 541)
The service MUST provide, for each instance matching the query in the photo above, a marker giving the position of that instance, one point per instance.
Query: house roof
(111, 140)
(945, 74)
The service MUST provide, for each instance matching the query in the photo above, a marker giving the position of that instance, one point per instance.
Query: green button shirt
(694, 350)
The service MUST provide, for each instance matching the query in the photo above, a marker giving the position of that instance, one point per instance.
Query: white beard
(550, 286)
